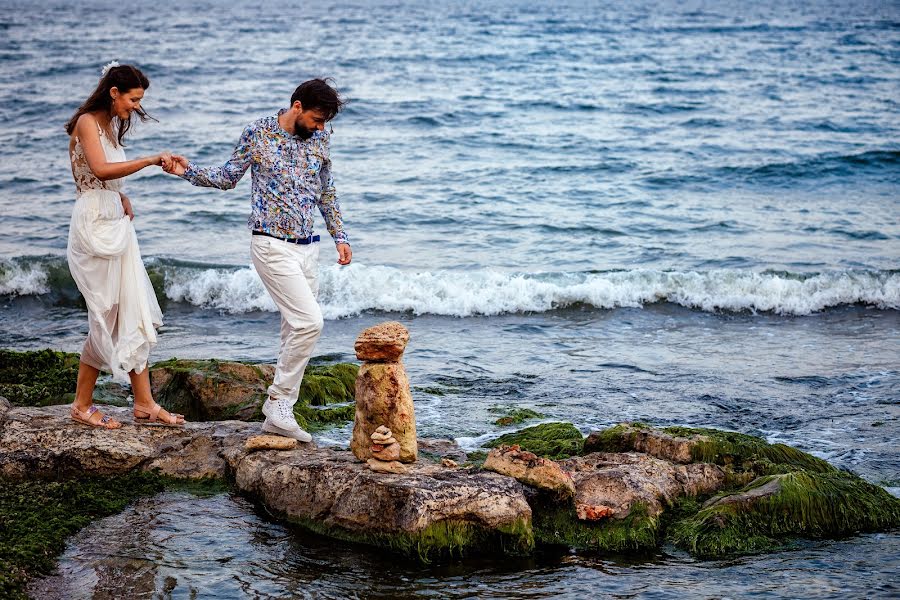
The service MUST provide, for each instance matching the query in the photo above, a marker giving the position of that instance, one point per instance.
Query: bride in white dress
(103, 253)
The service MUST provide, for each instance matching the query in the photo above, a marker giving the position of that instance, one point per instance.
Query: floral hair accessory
(107, 67)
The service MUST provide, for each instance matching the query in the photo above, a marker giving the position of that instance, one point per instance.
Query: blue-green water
(683, 213)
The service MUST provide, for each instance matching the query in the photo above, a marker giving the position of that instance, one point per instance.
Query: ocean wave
(360, 288)
(873, 162)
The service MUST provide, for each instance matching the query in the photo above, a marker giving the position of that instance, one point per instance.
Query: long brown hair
(122, 77)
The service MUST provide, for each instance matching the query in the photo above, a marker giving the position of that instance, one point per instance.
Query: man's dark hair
(317, 94)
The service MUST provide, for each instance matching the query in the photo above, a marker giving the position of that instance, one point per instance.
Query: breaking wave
(359, 288)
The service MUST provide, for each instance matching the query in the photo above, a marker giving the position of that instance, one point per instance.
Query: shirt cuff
(341, 238)
(190, 172)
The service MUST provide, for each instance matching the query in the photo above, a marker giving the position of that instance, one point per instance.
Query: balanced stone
(384, 406)
(388, 453)
(381, 466)
(384, 342)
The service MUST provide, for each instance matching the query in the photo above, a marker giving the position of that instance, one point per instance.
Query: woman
(103, 252)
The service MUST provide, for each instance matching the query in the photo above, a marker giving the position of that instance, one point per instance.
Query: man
(288, 155)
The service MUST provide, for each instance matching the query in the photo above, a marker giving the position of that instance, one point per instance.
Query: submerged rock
(437, 449)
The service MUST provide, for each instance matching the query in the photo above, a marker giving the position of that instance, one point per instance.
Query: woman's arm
(87, 132)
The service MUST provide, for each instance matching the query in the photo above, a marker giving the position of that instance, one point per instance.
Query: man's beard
(302, 132)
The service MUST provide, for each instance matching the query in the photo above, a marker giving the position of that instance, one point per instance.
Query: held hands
(344, 254)
(175, 164)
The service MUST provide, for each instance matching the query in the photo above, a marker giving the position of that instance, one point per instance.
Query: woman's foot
(154, 414)
(93, 417)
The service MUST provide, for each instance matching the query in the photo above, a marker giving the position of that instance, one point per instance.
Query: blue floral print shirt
(290, 176)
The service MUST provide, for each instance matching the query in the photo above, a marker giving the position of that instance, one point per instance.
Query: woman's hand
(164, 160)
(126, 206)
(177, 165)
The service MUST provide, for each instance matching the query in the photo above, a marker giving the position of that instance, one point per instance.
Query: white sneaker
(297, 433)
(280, 414)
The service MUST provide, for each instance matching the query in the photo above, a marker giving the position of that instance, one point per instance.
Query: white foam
(18, 279)
(351, 290)
(347, 291)
(229, 290)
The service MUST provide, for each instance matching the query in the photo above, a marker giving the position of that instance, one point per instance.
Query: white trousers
(290, 274)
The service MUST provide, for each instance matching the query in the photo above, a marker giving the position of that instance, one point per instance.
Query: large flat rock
(339, 495)
(428, 511)
(45, 443)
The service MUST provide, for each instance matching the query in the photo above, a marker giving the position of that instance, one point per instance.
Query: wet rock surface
(617, 481)
(384, 342)
(429, 509)
(530, 469)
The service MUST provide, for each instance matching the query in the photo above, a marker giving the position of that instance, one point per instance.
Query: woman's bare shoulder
(86, 122)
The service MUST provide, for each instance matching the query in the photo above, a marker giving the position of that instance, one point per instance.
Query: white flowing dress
(105, 261)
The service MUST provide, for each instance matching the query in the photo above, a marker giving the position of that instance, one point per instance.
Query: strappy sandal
(94, 418)
(153, 418)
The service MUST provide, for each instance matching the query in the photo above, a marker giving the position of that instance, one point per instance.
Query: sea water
(679, 213)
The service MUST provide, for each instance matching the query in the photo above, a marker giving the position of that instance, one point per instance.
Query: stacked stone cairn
(384, 428)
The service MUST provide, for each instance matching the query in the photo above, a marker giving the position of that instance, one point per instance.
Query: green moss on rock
(443, 539)
(748, 453)
(557, 524)
(158, 280)
(618, 438)
(803, 504)
(550, 440)
(313, 418)
(219, 390)
(38, 378)
(36, 517)
(328, 384)
(745, 457)
(515, 416)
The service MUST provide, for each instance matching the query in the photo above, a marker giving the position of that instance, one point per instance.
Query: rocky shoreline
(628, 488)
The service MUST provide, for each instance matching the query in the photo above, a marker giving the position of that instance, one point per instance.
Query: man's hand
(177, 165)
(345, 254)
(126, 206)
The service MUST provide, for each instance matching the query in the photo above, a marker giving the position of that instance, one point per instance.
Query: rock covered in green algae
(219, 390)
(550, 440)
(745, 456)
(38, 378)
(772, 510)
(38, 516)
(515, 416)
(772, 492)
